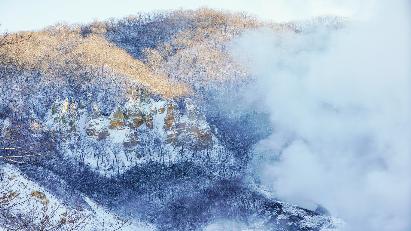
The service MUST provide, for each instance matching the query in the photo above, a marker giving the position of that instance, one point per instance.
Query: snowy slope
(126, 116)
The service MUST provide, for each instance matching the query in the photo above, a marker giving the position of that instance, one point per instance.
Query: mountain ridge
(129, 110)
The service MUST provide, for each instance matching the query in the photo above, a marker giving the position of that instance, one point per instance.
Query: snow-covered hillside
(119, 125)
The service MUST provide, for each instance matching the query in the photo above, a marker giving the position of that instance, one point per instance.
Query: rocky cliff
(124, 121)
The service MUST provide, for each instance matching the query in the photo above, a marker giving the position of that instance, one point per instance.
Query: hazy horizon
(21, 15)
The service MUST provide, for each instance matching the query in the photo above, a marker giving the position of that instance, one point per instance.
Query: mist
(340, 110)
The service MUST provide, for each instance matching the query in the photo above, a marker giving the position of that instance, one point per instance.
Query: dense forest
(122, 125)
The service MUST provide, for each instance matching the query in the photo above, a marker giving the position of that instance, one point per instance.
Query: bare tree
(9, 38)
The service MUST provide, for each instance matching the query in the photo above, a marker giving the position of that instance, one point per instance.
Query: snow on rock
(140, 131)
(24, 203)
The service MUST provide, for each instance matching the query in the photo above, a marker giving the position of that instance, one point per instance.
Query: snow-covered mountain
(120, 125)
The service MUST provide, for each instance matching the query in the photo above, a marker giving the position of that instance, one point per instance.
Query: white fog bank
(340, 107)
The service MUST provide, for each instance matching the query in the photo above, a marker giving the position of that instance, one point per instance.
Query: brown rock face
(161, 110)
(116, 124)
(138, 120)
(169, 119)
(40, 196)
(118, 120)
(100, 135)
(149, 121)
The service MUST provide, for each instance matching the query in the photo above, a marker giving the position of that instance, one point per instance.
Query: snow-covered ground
(23, 203)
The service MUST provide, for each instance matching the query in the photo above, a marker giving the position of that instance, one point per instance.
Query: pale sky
(16, 15)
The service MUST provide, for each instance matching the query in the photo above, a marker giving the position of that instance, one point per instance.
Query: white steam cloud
(340, 106)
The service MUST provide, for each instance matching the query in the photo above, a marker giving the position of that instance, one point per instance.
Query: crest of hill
(166, 53)
(188, 46)
(135, 33)
(112, 47)
(62, 50)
